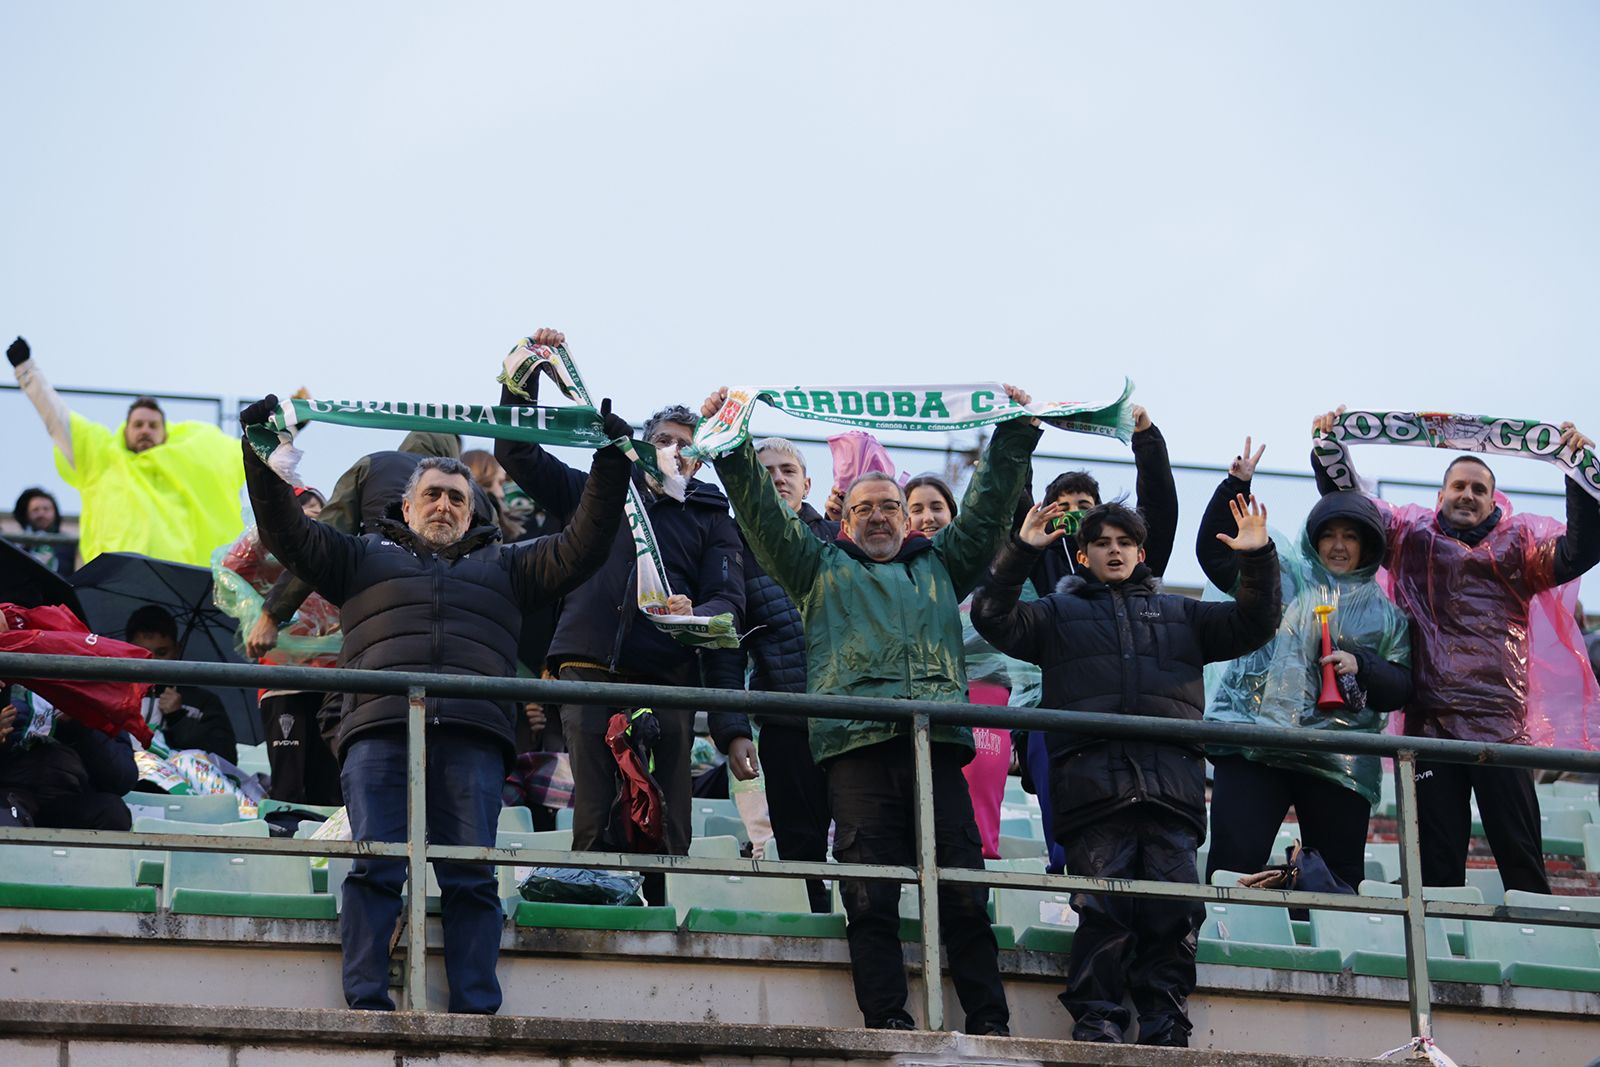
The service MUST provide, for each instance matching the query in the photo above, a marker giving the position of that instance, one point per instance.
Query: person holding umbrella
(432, 593)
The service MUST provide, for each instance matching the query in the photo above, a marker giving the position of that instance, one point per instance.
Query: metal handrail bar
(793, 705)
(923, 714)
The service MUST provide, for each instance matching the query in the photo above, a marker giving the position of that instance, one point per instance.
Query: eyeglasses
(666, 440)
(888, 508)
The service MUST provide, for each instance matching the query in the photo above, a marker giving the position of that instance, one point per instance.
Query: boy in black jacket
(1113, 643)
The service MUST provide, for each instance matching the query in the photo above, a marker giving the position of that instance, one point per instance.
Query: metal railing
(922, 715)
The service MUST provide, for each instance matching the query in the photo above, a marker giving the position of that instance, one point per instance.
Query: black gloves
(260, 411)
(18, 352)
(615, 425)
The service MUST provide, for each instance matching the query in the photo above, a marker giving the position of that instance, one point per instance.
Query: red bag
(54, 630)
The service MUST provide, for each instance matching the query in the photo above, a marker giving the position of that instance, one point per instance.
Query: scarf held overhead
(522, 365)
(1527, 438)
(928, 408)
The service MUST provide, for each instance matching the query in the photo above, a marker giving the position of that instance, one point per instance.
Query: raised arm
(1217, 560)
(557, 487)
(550, 567)
(1156, 491)
(1227, 630)
(46, 401)
(316, 552)
(780, 541)
(968, 544)
(343, 513)
(1019, 630)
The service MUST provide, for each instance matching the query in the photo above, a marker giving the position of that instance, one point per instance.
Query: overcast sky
(1253, 210)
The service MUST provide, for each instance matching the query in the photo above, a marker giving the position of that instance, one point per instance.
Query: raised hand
(1251, 518)
(834, 508)
(1323, 424)
(1573, 438)
(260, 411)
(713, 402)
(18, 352)
(1243, 466)
(1035, 530)
(678, 604)
(546, 336)
(262, 637)
(1141, 419)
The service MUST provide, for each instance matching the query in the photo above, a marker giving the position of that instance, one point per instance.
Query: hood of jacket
(1355, 508)
(421, 443)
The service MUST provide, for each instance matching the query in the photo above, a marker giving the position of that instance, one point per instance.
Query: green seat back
(215, 807)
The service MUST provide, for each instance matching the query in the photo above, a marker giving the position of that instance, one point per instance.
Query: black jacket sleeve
(314, 551)
(723, 668)
(1578, 549)
(1330, 454)
(1017, 629)
(1157, 497)
(555, 486)
(1227, 630)
(1219, 562)
(1387, 685)
(343, 513)
(547, 568)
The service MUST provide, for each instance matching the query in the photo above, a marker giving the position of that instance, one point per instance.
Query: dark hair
(1469, 459)
(1123, 518)
(671, 413)
(146, 402)
(874, 476)
(1072, 482)
(20, 512)
(151, 619)
(303, 491)
(444, 464)
(931, 481)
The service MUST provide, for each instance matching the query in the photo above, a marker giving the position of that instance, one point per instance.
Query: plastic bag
(242, 573)
(856, 452)
(566, 885)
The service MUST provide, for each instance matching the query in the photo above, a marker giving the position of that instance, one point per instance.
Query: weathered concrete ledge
(194, 1035)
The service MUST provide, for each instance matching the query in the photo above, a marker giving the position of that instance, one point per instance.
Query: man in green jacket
(881, 620)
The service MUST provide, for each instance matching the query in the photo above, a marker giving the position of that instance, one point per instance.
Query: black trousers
(797, 801)
(1123, 945)
(303, 769)
(1249, 801)
(51, 785)
(594, 775)
(874, 799)
(1509, 808)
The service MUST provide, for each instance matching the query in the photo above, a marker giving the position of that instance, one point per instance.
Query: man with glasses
(602, 636)
(879, 605)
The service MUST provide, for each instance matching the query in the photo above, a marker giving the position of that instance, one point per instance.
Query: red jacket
(54, 630)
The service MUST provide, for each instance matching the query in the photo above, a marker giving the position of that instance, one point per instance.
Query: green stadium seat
(1451, 943)
(71, 878)
(1042, 919)
(1017, 796)
(1591, 847)
(214, 807)
(735, 903)
(1563, 830)
(1376, 945)
(253, 759)
(701, 807)
(1245, 935)
(721, 847)
(1019, 826)
(1016, 848)
(250, 884)
(1385, 857)
(1487, 881)
(1546, 957)
(1516, 898)
(726, 826)
(516, 818)
(1566, 788)
(563, 818)
(593, 917)
(268, 806)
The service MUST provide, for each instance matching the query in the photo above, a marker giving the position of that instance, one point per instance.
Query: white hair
(784, 447)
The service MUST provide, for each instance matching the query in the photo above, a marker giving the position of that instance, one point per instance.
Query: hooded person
(1335, 564)
(37, 511)
(1477, 582)
(168, 491)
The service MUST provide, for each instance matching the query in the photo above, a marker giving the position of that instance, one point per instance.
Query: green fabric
(1277, 685)
(763, 923)
(1269, 957)
(594, 916)
(176, 501)
(882, 629)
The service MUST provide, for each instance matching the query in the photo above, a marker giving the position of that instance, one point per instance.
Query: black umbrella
(115, 584)
(26, 582)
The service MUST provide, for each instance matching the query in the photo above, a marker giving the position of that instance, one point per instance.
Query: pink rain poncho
(1497, 653)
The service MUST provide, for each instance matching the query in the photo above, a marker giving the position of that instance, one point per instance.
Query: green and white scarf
(1527, 438)
(524, 363)
(937, 408)
(576, 427)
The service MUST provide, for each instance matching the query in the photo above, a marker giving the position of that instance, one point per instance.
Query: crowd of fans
(426, 559)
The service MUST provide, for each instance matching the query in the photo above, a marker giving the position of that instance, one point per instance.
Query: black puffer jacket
(777, 639)
(1126, 649)
(456, 611)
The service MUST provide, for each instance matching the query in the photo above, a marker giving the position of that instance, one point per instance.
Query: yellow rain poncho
(178, 501)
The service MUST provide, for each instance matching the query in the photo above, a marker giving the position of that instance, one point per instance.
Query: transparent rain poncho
(242, 573)
(1278, 684)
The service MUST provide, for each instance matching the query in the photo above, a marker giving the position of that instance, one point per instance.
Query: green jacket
(889, 629)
